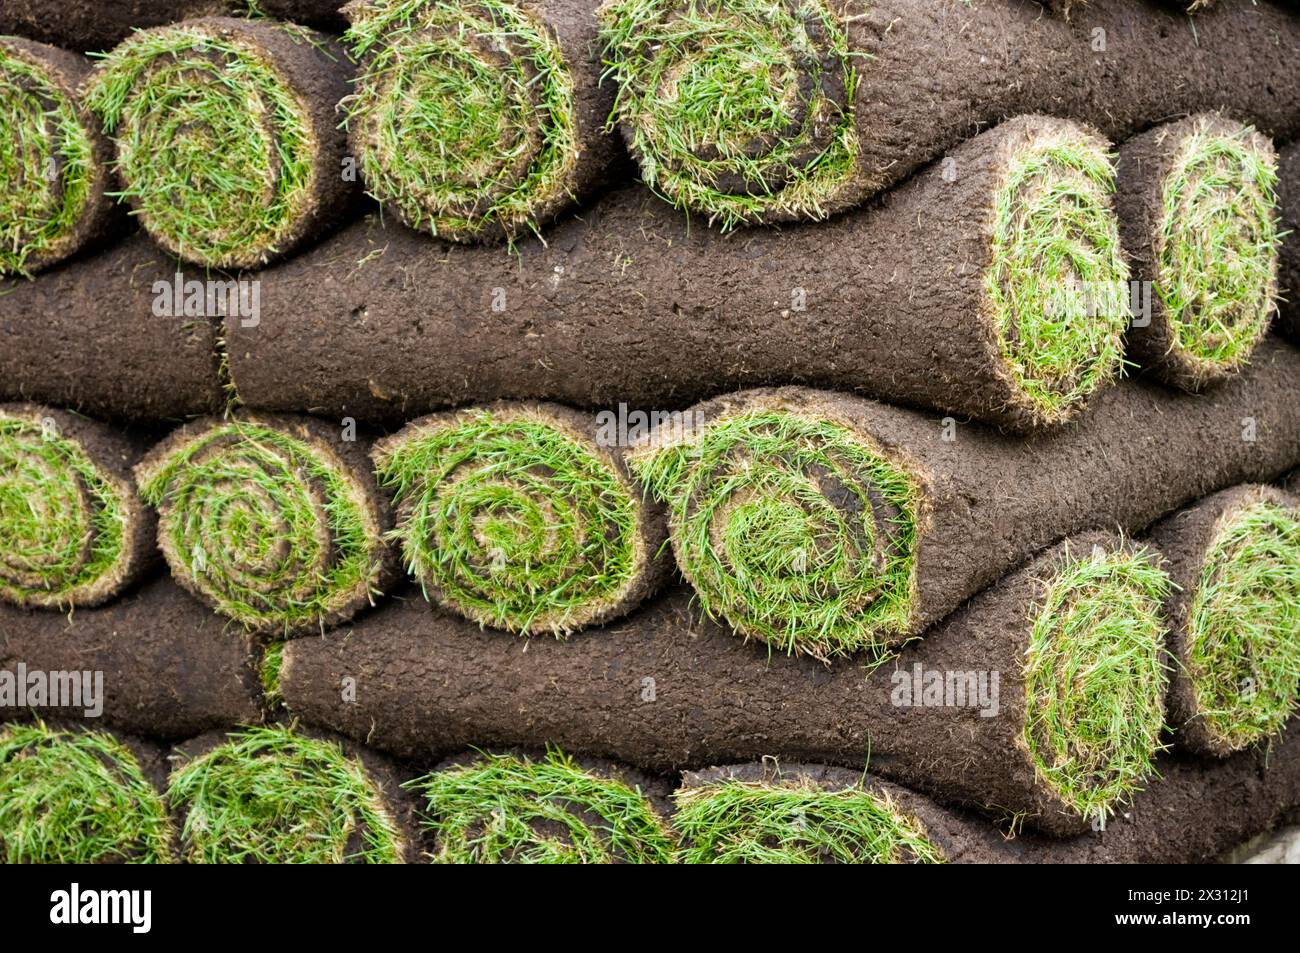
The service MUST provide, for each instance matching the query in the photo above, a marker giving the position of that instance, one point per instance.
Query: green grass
(1217, 246)
(268, 674)
(63, 521)
(507, 809)
(213, 147)
(275, 531)
(1057, 283)
(1243, 642)
(271, 796)
(76, 798)
(1095, 677)
(46, 164)
(513, 520)
(793, 821)
(739, 109)
(464, 114)
(796, 530)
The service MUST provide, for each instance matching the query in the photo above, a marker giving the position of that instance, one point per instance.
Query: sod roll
(275, 795)
(1289, 276)
(1030, 736)
(517, 808)
(1196, 811)
(160, 664)
(479, 121)
(72, 530)
(1199, 218)
(274, 522)
(825, 524)
(89, 335)
(519, 517)
(80, 796)
(996, 294)
(754, 111)
(53, 159)
(1234, 617)
(226, 136)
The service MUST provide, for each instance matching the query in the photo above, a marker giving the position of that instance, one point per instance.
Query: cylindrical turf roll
(274, 795)
(494, 808)
(518, 517)
(80, 797)
(827, 524)
(170, 667)
(1059, 668)
(777, 110)
(999, 294)
(1289, 270)
(1193, 814)
(73, 532)
(53, 159)
(1199, 219)
(479, 120)
(274, 522)
(89, 336)
(226, 136)
(1234, 617)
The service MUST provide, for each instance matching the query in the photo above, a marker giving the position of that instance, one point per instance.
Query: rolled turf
(778, 110)
(226, 136)
(80, 797)
(1234, 617)
(516, 516)
(1289, 270)
(274, 522)
(1197, 810)
(53, 159)
(481, 120)
(494, 808)
(826, 524)
(1060, 665)
(72, 531)
(276, 795)
(88, 336)
(998, 294)
(1199, 219)
(171, 668)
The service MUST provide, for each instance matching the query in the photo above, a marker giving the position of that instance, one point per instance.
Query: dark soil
(1289, 262)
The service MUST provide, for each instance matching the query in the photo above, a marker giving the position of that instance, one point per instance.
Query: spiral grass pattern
(1095, 677)
(215, 149)
(1056, 288)
(68, 526)
(272, 796)
(463, 115)
(516, 518)
(1217, 245)
(77, 797)
(739, 109)
(267, 523)
(50, 171)
(511, 809)
(791, 820)
(796, 529)
(1243, 638)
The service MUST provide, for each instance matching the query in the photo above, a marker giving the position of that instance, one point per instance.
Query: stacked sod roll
(481, 120)
(225, 136)
(54, 165)
(1008, 279)
(1198, 203)
(276, 523)
(751, 112)
(516, 517)
(1234, 634)
(73, 532)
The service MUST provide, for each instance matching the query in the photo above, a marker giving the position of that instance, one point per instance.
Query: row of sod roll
(648, 431)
